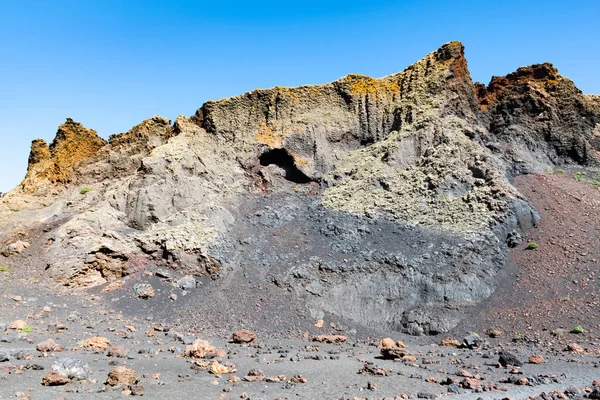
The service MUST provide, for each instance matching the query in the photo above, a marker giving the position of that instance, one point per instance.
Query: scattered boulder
(143, 290)
(243, 336)
(187, 282)
(96, 343)
(201, 349)
(121, 376)
(330, 338)
(575, 348)
(18, 324)
(4, 356)
(53, 378)
(220, 369)
(298, 379)
(118, 351)
(71, 368)
(471, 383)
(450, 342)
(536, 359)
(505, 359)
(371, 369)
(386, 342)
(49, 346)
(255, 375)
(393, 353)
(472, 340)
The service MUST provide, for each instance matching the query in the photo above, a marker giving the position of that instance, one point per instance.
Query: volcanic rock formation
(386, 201)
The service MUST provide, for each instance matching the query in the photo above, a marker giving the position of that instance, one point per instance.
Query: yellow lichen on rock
(363, 85)
(266, 135)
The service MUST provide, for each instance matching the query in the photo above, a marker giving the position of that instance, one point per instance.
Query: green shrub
(85, 190)
(4, 269)
(532, 246)
(519, 337)
(562, 171)
(577, 329)
(27, 329)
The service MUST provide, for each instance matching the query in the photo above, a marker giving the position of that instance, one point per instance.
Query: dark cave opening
(285, 161)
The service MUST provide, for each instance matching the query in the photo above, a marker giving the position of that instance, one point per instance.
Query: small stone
(494, 333)
(450, 342)
(17, 298)
(53, 378)
(523, 381)
(536, 359)
(143, 290)
(298, 379)
(400, 344)
(575, 348)
(596, 383)
(187, 282)
(219, 369)
(319, 323)
(255, 375)
(47, 309)
(49, 346)
(471, 383)
(173, 296)
(122, 376)
(118, 351)
(472, 340)
(233, 379)
(243, 336)
(18, 324)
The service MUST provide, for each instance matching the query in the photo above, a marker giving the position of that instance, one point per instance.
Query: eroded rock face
(539, 118)
(386, 202)
(55, 163)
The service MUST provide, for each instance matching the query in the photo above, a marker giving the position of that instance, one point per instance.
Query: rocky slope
(386, 202)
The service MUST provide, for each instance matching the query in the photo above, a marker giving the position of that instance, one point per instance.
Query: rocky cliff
(386, 202)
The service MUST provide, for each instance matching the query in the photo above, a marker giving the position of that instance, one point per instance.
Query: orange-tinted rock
(386, 342)
(122, 376)
(536, 359)
(200, 349)
(330, 338)
(243, 336)
(97, 343)
(53, 378)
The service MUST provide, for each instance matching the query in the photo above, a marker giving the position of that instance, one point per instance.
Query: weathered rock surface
(385, 202)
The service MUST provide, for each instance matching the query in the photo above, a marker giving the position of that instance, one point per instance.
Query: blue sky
(111, 64)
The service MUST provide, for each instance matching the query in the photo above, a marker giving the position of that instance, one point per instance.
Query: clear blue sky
(111, 64)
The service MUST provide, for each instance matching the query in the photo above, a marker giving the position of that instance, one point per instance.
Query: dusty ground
(552, 287)
(555, 287)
